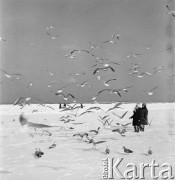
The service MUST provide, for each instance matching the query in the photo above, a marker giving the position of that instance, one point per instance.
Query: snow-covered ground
(73, 158)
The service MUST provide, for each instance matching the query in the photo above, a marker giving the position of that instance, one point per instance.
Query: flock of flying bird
(107, 66)
(69, 118)
(102, 65)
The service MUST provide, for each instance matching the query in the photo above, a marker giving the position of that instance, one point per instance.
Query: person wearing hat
(143, 116)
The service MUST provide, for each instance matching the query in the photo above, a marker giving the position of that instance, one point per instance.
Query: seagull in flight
(9, 75)
(82, 84)
(50, 73)
(103, 69)
(144, 73)
(95, 131)
(104, 117)
(64, 96)
(85, 112)
(115, 106)
(170, 11)
(95, 107)
(81, 135)
(106, 121)
(72, 53)
(51, 36)
(115, 36)
(134, 71)
(109, 41)
(124, 89)
(29, 85)
(106, 83)
(150, 92)
(25, 100)
(95, 143)
(125, 125)
(67, 121)
(114, 91)
(61, 89)
(121, 117)
(79, 51)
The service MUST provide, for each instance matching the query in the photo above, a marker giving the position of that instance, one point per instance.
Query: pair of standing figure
(140, 117)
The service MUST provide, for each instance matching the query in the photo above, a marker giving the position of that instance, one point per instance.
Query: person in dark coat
(135, 122)
(143, 117)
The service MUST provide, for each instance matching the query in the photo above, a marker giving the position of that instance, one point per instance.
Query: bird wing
(106, 41)
(59, 94)
(4, 71)
(97, 108)
(71, 95)
(77, 123)
(106, 121)
(18, 100)
(50, 107)
(111, 80)
(73, 51)
(110, 109)
(110, 122)
(117, 104)
(115, 90)
(118, 116)
(153, 88)
(100, 117)
(93, 131)
(105, 116)
(104, 90)
(124, 114)
(116, 130)
(94, 65)
(85, 51)
(147, 73)
(85, 112)
(96, 70)
(112, 69)
(99, 142)
(126, 124)
(168, 7)
(128, 87)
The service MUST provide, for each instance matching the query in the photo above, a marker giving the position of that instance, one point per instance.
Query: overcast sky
(40, 58)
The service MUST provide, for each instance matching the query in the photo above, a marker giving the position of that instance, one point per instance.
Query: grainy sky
(30, 51)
